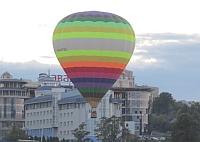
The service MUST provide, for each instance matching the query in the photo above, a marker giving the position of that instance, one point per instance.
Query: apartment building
(12, 97)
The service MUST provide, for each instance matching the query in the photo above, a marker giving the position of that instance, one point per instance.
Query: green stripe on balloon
(81, 53)
(93, 58)
(93, 90)
(93, 35)
(95, 24)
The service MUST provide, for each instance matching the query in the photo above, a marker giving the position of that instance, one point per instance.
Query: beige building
(136, 102)
(12, 97)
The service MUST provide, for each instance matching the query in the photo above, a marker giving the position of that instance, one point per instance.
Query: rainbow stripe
(93, 48)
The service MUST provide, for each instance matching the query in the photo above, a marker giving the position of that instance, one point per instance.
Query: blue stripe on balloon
(95, 80)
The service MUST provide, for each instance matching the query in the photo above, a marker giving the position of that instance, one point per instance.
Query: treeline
(182, 120)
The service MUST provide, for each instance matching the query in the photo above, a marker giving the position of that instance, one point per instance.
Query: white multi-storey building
(58, 114)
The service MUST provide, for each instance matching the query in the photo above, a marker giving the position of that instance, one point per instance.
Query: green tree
(80, 132)
(184, 109)
(16, 133)
(43, 139)
(185, 129)
(163, 104)
(112, 129)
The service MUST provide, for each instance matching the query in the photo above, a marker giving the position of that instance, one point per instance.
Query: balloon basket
(93, 114)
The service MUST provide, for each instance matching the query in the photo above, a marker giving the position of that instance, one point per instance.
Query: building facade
(136, 102)
(12, 97)
(58, 114)
(57, 111)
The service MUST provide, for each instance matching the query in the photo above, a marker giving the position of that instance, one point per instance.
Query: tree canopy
(163, 104)
(112, 129)
(16, 133)
(80, 132)
(185, 129)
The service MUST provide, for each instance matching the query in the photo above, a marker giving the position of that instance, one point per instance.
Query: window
(47, 112)
(67, 123)
(135, 112)
(50, 111)
(27, 123)
(50, 120)
(41, 105)
(30, 122)
(43, 121)
(71, 113)
(40, 113)
(68, 114)
(64, 114)
(60, 115)
(31, 114)
(71, 122)
(47, 121)
(43, 112)
(27, 114)
(60, 124)
(64, 123)
(60, 133)
(37, 113)
(140, 112)
(40, 121)
(65, 133)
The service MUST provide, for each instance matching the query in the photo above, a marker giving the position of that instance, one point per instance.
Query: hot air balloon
(93, 48)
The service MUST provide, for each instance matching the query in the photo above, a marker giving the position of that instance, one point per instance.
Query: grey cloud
(177, 54)
(169, 36)
(29, 70)
(177, 67)
(47, 56)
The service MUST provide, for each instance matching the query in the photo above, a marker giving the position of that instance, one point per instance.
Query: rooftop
(12, 80)
(68, 99)
(47, 87)
(39, 99)
(6, 74)
(12, 89)
(137, 88)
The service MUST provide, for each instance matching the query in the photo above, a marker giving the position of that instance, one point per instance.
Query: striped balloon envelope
(93, 48)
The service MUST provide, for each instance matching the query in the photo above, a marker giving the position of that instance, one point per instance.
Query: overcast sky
(167, 39)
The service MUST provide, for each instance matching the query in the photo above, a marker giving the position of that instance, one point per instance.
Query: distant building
(46, 84)
(12, 97)
(136, 105)
(136, 102)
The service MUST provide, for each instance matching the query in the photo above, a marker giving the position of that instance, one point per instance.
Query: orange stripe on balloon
(93, 64)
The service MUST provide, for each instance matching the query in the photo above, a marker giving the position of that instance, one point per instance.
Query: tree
(163, 104)
(16, 133)
(185, 129)
(43, 139)
(112, 129)
(79, 133)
